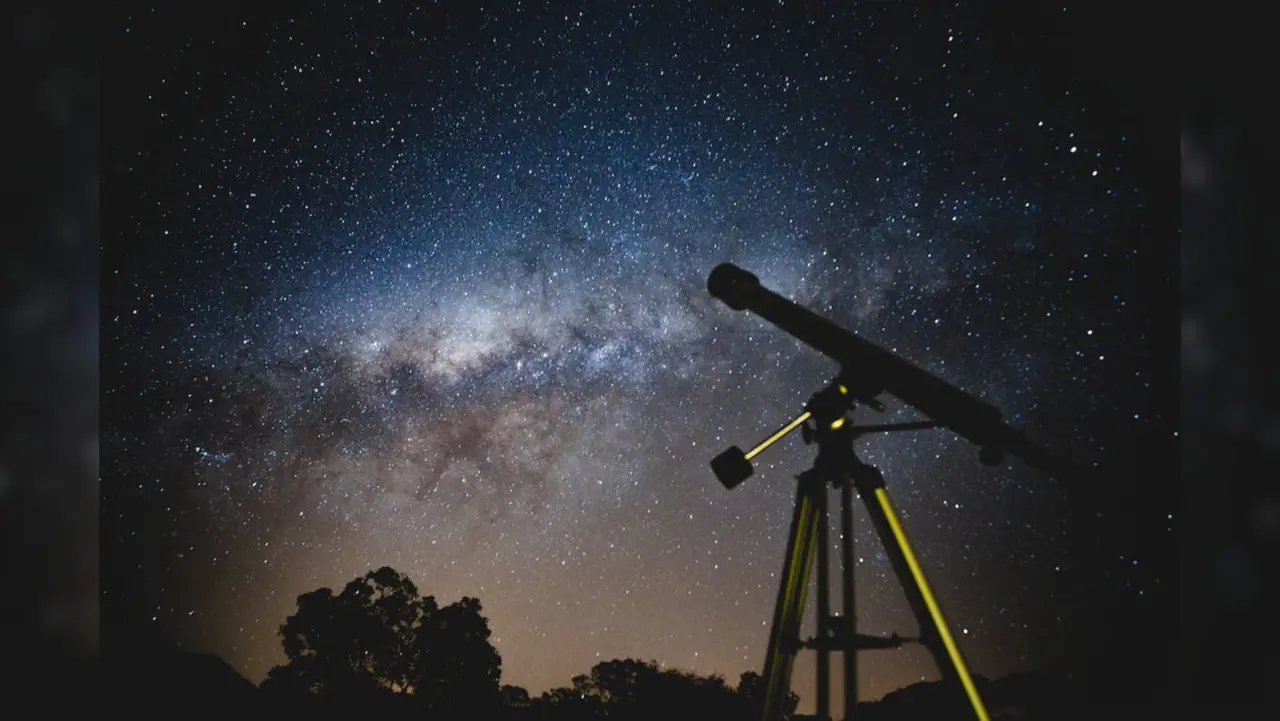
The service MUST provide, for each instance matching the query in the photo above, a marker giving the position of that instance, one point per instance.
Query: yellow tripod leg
(935, 612)
(784, 637)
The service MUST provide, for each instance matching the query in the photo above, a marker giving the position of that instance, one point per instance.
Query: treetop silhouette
(380, 646)
(380, 637)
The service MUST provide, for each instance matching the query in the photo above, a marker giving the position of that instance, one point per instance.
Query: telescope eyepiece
(731, 285)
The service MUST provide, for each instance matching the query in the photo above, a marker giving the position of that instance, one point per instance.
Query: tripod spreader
(861, 641)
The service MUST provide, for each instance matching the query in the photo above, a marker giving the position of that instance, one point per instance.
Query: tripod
(825, 421)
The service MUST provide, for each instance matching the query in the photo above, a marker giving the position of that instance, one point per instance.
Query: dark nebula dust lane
(425, 287)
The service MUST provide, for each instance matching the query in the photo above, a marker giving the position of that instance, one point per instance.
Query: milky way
(427, 289)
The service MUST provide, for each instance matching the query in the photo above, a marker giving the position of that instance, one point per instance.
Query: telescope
(874, 370)
(866, 371)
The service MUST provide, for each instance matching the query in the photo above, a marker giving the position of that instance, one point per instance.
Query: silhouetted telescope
(875, 370)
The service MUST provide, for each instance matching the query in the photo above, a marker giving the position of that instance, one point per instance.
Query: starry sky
(424, 286)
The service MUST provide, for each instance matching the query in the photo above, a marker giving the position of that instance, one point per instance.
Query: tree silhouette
(751, 689)
(380, 639)
(456, 667)
(628, 689)
(515, 697)
(379, 648)
(353, 643)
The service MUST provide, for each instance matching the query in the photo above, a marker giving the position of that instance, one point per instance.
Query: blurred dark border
(49, 349)
(1230, 389)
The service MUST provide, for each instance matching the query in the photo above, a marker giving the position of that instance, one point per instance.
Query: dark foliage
(1032, 696)
(379, 641)
(379, 647)
(631, 689)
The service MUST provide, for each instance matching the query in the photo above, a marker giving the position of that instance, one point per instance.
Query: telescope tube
(965, 414)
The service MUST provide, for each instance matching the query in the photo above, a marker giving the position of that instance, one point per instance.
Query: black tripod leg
(934, 632)
(824, 606)
(847, 599)
(784, 636)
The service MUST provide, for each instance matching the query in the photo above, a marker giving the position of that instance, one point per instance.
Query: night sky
(426, 288)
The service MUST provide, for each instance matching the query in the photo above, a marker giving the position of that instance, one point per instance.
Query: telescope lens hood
(732, 285)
